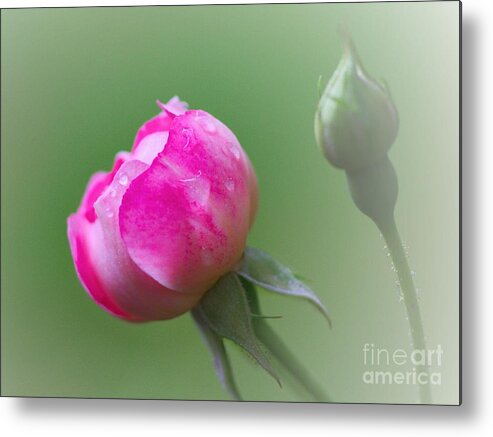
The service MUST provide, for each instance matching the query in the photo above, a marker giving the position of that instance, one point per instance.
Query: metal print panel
(237, 202)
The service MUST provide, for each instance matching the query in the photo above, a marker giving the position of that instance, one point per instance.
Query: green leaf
(216, 347)
(263, 270)
(225, 311)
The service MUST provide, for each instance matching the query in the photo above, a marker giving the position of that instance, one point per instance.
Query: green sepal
(261, 269)
(224, 311)
(216, 347)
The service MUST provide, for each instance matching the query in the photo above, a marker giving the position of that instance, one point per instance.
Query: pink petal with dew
(175, 106)
(150, 146)
(253, 188)
(132, 289)
(83, 239)
(185, 220)
(162, 121)
(97, 184)
(94, 189)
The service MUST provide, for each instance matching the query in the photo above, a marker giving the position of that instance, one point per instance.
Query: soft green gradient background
(76, 85)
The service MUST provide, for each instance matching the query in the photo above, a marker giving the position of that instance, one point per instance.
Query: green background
(77, 84)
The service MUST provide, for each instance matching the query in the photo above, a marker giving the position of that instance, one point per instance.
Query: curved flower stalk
(164, 233)
(356, 123)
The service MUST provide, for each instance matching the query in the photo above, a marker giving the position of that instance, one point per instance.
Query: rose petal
(162, 121)
(94, 189)
(253, 188)
(150, 146)
(83, 237)
(97, 184)
(184, 221)
(132, 289)
(175, 106)
(120, 158)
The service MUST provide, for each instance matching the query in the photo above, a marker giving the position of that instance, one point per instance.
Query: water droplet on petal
(193, 178)
(123, 179)
(230, 184)
(187, 133)
(199, 188)
(206, 256)
(234, 149)
(109, 212)
(112, 192)
(209, 126)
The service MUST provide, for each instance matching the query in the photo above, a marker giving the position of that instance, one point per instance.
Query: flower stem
(281, 352)
(394, 244)
(289, 361)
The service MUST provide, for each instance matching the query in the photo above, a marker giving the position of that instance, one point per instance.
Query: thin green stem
(394, 244)
(289, 361)
(280, 351)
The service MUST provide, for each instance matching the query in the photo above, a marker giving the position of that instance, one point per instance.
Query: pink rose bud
(172, 217)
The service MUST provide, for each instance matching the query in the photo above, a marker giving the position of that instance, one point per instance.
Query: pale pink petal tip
(174, 105)
(162, 121)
